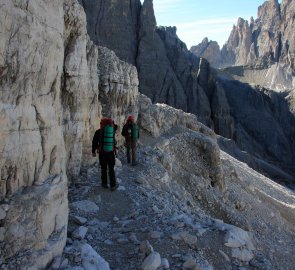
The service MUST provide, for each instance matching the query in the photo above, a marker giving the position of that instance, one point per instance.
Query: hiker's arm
(95, 142)
(123, 131)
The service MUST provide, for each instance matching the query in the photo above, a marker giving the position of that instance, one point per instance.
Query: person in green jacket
(104, 143)
(131, 133)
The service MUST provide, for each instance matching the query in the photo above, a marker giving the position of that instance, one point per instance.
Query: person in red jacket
(131, 133)
(104, 143)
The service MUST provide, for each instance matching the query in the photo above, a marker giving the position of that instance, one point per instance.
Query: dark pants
(107, 162)
(131, 147)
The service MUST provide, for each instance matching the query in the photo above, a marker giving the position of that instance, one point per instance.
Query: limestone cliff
(53, 83)
(33, 157)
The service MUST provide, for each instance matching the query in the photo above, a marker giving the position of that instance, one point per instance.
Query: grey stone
(176, 256)
(146, 248)
(243, 254)
(151, 262)
(190, 263)
(80, 232)
(2, 232)
(2, 213)
(80, 220)
(64, 263)
(237, 237)
(56, 263)
(165, 263)
(132, 237)
(109, 242)
(92, 260)
(86, 206)
(156, 235)
(209, 50)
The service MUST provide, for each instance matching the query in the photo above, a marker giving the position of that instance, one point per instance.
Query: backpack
(132, 131)
(135, 132)
(108, 138)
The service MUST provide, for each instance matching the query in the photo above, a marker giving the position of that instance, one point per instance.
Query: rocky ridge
(209, 50)
(263, 42)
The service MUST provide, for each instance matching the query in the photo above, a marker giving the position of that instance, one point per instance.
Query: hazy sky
(196, 19)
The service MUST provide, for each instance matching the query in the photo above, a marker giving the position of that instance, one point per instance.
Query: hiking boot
(114, 187)
(105, 185)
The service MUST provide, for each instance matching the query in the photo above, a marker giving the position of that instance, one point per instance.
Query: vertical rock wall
(74, 96)
(114, 24)
(53, 81)
(33, 177)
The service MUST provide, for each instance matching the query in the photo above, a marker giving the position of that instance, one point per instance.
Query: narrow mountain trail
(129, 216)
(150, 224)
(125, 225)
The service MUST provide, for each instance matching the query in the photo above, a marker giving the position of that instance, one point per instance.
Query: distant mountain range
(265, 41)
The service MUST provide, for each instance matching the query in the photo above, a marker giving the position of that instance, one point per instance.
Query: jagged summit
(265, 40)
(209, 50)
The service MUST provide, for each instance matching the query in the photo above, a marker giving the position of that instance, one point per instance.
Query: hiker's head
(109, 121)
(130, 119)
(103, 122)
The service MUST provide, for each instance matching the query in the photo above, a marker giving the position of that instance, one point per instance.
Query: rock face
(264, 41)
(53, 83)
(260, 121)
(238, 50)
(114, 24)
(209, 50)
(264, 46)
(160, 118)
(33, 156)
(167, 71)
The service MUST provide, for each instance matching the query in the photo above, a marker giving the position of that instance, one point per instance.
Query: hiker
(131, 133)
(104, 142)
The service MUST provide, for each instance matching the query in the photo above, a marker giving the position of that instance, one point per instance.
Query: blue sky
(196, 19)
